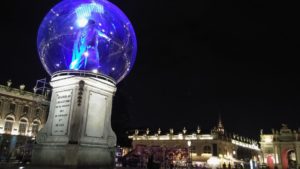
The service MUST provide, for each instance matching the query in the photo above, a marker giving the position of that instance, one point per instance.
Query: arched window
(23, 126)
(207, 149)
(9, 121)
(35, 127)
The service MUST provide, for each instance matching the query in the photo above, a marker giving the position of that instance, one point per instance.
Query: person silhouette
(224, 166)
(150, 162)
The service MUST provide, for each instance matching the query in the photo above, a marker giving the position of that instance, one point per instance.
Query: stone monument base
(73, 156)
(78, 131)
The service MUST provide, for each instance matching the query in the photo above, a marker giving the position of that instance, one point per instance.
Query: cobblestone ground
(16, 165)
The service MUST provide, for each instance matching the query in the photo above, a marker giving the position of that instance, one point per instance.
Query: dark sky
(196, 60)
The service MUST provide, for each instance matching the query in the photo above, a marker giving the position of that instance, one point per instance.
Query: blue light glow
(82, 22)
(91, 35)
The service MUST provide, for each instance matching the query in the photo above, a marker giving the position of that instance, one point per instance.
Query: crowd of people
(21, 153)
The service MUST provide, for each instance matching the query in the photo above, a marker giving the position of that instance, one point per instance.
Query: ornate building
(22, 115)
(230, 150)
(281, 149)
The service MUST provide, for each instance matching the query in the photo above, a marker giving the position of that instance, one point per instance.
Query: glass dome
(88, 35)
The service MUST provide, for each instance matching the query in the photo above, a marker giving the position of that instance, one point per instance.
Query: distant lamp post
(184, 130)
(35, 89)
(198, 130)
(136, 132)
(171, 131)
(189, 160)
(22, 87)
(9, 82)
(159, 131)
(213, 162)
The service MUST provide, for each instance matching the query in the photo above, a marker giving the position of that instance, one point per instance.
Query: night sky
(196, 60)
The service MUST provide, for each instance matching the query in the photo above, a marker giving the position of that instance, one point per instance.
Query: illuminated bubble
(88, 35)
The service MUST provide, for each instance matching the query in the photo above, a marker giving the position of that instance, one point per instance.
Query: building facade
(22, 115)
(281, 148)
(197, 149)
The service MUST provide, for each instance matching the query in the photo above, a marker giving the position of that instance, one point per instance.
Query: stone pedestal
(78, 131)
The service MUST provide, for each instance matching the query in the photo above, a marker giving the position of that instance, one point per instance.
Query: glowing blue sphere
(88, 35)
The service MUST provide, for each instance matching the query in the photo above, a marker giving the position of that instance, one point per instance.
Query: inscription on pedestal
(96, 115)
(61, 113)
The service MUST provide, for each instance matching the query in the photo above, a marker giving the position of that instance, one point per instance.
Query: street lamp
(189, 161)
(213, 162)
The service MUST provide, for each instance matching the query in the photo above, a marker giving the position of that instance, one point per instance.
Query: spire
(220, 128)
(220, 124)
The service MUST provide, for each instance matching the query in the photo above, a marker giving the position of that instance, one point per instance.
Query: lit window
(35, 127)
(22, 126)
(8, 125)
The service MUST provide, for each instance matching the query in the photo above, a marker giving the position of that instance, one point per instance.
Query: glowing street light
(213, 162)
(189, 143)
